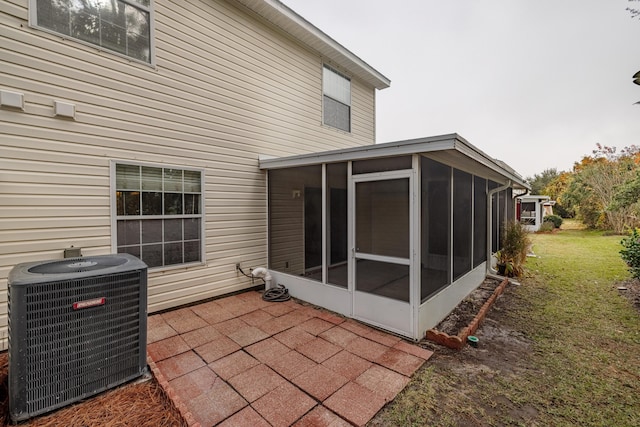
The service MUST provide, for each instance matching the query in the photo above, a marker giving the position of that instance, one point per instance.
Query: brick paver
(233, 364)
(242, 361)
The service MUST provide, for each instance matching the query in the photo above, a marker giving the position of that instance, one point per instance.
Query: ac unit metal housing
(77, 327)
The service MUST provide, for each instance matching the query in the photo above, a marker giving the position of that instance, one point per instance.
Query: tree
(555, 190)
(635, 13)
(552, 183)
(596, 181)
(540, 181)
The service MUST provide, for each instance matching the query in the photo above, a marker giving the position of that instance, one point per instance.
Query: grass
(582, 366)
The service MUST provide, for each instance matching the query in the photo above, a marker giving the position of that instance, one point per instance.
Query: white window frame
(115, 217)
(33, 22)
(324, 94)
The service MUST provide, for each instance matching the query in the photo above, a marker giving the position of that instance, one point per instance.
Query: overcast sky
(535, 83)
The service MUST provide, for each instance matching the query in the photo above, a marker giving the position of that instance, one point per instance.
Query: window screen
(462, 220)
(159, 214)
(435, 217)
(336, 99)
(479, 221)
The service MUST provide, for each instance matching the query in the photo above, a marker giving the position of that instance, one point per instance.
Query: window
(159, 214)
(121, 26)
(336, 89)
(528, 213)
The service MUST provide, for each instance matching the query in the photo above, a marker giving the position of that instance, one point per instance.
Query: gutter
(490, 194)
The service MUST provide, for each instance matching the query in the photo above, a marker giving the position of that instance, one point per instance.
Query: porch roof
(450, 149)
(534, 198)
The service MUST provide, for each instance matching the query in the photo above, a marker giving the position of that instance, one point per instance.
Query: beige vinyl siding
(287, 223)
(226, 88)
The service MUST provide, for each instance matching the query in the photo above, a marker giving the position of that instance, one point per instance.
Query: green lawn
(583, 363)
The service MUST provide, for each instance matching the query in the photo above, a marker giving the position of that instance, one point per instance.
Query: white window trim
(114, 213)
(350, 105)
(33, 23)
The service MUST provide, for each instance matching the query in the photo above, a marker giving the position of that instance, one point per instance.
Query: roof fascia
(466, 148)
(421, 145)
(388, 149)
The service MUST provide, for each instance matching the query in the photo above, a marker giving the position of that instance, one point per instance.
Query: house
(531, 210)
(137, 126)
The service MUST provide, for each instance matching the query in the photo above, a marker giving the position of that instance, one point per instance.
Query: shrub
(630, 252)
(564, 212)
(515, 245)
(546, 227)
(555, 219)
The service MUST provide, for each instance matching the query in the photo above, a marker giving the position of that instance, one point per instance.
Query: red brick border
(172, 395)
(458, 342)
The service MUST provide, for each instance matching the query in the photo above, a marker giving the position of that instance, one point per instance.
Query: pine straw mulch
(134, 404)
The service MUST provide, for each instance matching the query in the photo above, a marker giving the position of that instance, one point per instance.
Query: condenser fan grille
(74, 338)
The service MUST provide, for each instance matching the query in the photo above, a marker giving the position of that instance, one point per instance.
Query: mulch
(468, 308)
(139, 403)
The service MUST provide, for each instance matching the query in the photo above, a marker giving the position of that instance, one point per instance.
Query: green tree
(540, 181)
(635, 13)
(596, 183)
(552, 183)
(555, 189)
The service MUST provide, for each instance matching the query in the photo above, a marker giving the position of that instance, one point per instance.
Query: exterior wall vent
(77, 327)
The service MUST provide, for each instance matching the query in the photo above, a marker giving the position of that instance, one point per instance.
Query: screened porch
(394, 235)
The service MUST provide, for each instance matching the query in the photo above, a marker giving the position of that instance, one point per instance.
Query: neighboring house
(138, 127)
(531, 210)
(547, 208)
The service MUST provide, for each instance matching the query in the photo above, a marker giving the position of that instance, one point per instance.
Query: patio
(242, 361)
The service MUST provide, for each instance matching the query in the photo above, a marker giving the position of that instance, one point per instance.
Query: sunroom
(394, 235)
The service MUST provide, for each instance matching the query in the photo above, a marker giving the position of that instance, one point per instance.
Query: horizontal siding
(225, 89)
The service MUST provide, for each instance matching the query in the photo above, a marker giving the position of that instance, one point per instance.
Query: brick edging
(458, 342)
(172, 395)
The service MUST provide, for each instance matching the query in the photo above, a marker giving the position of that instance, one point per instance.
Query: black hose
(277, 294)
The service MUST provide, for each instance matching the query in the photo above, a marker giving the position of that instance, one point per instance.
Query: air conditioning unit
(77, 327)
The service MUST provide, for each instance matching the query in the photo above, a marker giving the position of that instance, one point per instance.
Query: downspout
(490, 194)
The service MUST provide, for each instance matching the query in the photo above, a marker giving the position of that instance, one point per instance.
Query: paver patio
(240, 361)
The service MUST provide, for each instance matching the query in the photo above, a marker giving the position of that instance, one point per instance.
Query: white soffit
(302, 30)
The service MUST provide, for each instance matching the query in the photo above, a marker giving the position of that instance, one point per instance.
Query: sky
(535, 83)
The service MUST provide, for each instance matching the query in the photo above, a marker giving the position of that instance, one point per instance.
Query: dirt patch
(464, 313)
(500, 348)
(454, 387)
(630, 289)
(140, 403)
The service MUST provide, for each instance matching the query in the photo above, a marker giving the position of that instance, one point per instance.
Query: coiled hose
(277, 294)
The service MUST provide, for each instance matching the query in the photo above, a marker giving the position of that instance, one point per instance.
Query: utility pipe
(262, 273)
(490, 270)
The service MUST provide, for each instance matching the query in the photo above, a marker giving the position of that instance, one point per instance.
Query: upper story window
(159, 214)
(121, 26)
(336, 89)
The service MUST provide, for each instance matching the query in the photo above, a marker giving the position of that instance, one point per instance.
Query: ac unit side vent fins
(73, 334)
